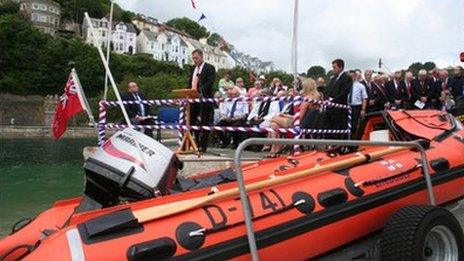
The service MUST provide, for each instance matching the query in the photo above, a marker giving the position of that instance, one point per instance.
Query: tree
(316, 71)
(189, 26)
(214, 39)
(429, 66)
(8, 7)
(415, 67)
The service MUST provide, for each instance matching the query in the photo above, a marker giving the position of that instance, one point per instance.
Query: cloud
(359, 31)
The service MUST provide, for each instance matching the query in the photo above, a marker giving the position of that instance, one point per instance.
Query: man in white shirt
(357, 99)
(233, 114)
(202, 79)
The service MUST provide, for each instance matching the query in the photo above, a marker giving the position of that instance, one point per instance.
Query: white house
(211, 54)
(143, 22)
(251, 63)
(147, 42)
(100, 27)
(177, 49)
(124, 38)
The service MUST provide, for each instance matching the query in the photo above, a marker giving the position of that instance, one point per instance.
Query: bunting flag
(72, 102)
(193, 4)
(203, 16)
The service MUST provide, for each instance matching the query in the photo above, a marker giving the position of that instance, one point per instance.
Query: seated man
(233, 114)
(138, 113)
(259, 110)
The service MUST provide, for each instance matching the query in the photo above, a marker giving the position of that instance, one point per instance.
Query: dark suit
(370, 95)
(396, 93)
(380, 97)
(423, 89)
(202, 113)
(337, 91)
(408, 102)
(438, 88)
(134, 110)
(456, 85)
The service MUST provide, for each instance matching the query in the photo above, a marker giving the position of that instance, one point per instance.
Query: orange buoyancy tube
(299, 219)
(26, 239)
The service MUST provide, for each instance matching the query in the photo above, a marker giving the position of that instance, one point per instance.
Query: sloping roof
(130, 28)
(151, 36)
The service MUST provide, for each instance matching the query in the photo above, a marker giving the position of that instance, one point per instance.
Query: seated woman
(310, 112)
(283, 119)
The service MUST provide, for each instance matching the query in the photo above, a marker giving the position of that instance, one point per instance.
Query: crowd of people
(365, 92)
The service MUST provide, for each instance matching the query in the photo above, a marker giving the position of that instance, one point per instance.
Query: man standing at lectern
(202, 79)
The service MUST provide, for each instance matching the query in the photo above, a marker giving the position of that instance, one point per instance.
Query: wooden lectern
(188, 144)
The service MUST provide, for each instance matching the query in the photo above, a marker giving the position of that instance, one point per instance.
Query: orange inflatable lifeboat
(303, 206)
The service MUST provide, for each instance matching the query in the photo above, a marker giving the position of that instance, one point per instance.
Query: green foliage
(74, 10)
(8, 7)
(316, 72)
(286, 78)
(214, 39)
(189, 26)
(35, 63)
(429, 66)
(236, 73)
(415, 67)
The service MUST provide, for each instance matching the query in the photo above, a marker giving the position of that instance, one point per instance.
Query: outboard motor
(121, 171)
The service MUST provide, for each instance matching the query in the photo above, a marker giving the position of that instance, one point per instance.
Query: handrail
(265, 141)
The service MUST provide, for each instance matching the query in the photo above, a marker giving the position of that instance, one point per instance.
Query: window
(42, 18)
(120, 47)
(103, 33)
(121, 37)
(177, 49)
(152, 46)
(43, 7)
(35, 17)
(35, 6)
(23, 6)
(162, 46)
(51, 9)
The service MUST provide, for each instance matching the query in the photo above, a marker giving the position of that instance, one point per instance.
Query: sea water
(34, 173)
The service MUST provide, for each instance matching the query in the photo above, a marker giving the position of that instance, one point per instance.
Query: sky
(359, 31)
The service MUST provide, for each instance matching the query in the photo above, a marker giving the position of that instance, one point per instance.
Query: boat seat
(186, 184)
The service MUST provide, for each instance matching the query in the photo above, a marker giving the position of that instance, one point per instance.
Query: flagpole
(294, 52)
(83, 98)
(115, 89)
(108, 44)
(110, 75)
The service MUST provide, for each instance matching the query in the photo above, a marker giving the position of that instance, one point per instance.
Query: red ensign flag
(69, 105)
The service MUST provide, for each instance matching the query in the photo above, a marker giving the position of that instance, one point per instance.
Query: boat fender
(303, 202)
(190, 235)
(106, 227)
(157, 249)
(332, 197)
(439, 164)
(352, 188)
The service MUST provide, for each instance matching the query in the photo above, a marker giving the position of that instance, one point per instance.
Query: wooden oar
(156, 212)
